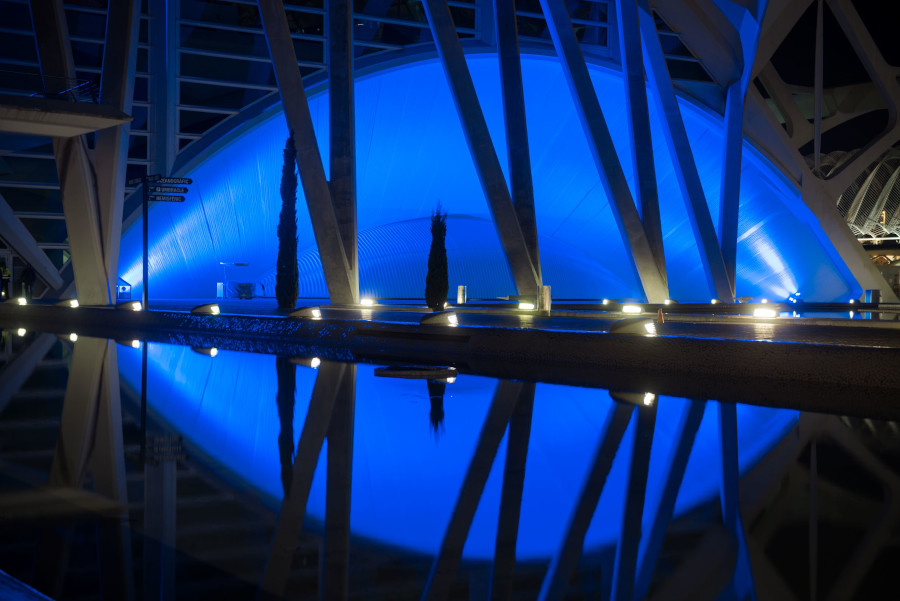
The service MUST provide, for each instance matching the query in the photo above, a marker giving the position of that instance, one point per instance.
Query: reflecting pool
(152, 470)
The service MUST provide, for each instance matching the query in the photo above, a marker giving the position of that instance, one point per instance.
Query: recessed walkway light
(367, 302)
(73, 337)
(306, 313)
(69, 302)
(207, 309)
(21, 331)
(130, 306)
(526, 306)
(631, 309)
(765, 312)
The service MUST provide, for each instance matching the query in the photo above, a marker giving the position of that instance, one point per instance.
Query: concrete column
(518, 153)
(342, 120)
(506, 222)
(563, 563)
(111, 148)
(329, 381)
(336, 575)
(444, 568)
(163, 85)
(643, 261)
(309, 162)
(692, 193)
(78, 185)
(639, 127)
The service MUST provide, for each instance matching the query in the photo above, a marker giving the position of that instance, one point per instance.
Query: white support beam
(481, 147)
(20, 241)
(342, 128)
(518, 153)
(327, 231)
(638, 117)
(692, 193)
(609, 168)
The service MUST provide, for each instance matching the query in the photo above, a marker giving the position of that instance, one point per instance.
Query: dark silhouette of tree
(286, 373)
(286, 273)
(437, 283)
(436, 390)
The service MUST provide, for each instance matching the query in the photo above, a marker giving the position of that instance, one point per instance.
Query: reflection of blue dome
(412, 154)
(406, 481)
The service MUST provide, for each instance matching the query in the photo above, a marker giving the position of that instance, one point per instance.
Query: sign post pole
(145, 190)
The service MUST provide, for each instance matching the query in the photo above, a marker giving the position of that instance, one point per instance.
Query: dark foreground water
(246, 476)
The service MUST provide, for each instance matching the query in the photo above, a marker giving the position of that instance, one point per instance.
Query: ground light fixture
(440, 318)
(20, 300)
(69, 302)
(209, 351)
(73, 337)
(635, 326)
(644, 399)
(313, 362)
(21, 332)
(632, 309)
(130, 306)
(367, 302)
(713, 301)
(762, 312)
(207, 309)
(306, 313)
(669, 301)
(526, 306)
(131, 343)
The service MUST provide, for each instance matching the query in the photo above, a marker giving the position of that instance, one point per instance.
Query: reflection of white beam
(600, 141)
(623, 585)
(443, 570)
(662, 507)
(481, 147)
(338, 482)
(326, 229)
(329, 382)
(511, 495)
(19, 368)
(563, 563)
(20, 241)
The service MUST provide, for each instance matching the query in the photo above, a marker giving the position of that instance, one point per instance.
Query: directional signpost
(156, 188)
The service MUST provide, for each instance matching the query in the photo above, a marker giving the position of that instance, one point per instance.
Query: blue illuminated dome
(412, 154)
(406, 478)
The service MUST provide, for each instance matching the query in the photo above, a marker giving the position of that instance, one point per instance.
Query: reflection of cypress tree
(436, 390)
(437, 281)
(286, 373)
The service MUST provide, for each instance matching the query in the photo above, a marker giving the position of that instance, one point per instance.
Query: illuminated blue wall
(405, 478)
(412, 154)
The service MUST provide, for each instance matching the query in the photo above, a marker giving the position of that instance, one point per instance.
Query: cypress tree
(437, 282)
(286, 274)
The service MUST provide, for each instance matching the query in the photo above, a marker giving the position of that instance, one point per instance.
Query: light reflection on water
(408, 470)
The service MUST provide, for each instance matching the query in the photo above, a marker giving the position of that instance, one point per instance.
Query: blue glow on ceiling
(405, 478)
(412, 154)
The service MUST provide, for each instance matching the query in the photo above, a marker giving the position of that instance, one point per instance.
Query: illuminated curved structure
(407, 476)
(412, 155)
